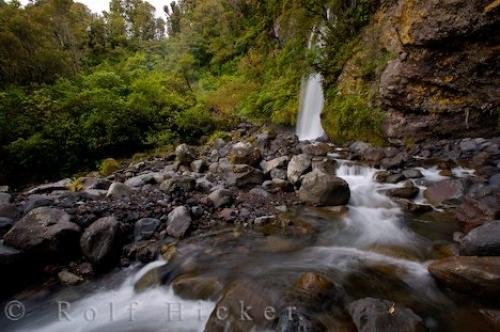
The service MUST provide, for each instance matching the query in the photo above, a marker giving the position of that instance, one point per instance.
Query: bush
(349, 118)
(108, 167)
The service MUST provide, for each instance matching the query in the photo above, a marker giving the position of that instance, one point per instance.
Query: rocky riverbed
(399, 238)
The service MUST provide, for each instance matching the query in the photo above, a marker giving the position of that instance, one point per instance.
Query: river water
(373, 250)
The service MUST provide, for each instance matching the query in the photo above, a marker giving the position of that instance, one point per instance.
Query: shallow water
(374, 250)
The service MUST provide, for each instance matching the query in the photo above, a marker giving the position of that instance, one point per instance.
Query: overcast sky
(100, 5)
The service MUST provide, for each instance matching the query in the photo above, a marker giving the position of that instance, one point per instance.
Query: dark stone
(323, 189)
(409, 191)
(477, 276)
(100, 242)
(179, 221)
(376, 315)
(145, 228)
(45, 231)
(221, 198)
(482, 241)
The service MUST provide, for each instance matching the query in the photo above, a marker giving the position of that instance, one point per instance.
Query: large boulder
(100, 243)
(448, 191)
(45, 231)
(483, 241)
(376, 315)
(323, 189)
(255, 300)
(141, 180)
(5, 225)
(179, 221)
(298, 166)
(245, 153)
(479, 276)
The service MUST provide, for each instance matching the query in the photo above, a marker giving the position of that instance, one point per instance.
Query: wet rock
(372, 315)
(8, 256)
(47, 188)
(221, 198)
(276, 185)
(291, 321)
(495, 180)
(449, 191)
(482, 241)
(323, 189)
(412, 174)
(475, 211)
(325, 165)
(145, 228)
(268, 166)
(45, 231)
(468, 146)
(245, 153)
(199, 166)
(184, 154)
(5, 198)
(142, 251)
(5, 225)
(179, 221)
(394, 162)
(8, 211)
(298, 166)
(478, 276)
(255, 299)
(245, 176)
(409, 191)
(197, 287)
(68, 278)
(35, 201)
(101, 240)
(381, 176)
(414, 208)
(150, 278)
(118, 190)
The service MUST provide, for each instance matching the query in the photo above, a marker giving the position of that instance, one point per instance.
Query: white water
(311, 104)
(121, 310)
(312, 101)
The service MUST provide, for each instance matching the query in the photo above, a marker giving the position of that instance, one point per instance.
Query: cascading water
(311, 105)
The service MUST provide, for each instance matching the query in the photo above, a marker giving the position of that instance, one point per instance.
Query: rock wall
(443, 76)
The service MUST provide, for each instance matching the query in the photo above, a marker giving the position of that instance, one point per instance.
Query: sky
(100, 5)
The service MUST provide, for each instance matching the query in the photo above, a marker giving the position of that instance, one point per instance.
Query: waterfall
(311, 104)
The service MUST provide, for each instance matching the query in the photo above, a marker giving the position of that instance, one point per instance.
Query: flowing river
(372, 250)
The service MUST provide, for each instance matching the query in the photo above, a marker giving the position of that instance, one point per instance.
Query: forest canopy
(77, 86)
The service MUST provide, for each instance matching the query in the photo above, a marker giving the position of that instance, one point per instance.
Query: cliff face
(443, 79)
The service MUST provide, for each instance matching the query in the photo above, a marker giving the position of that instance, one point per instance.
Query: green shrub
(108, 166)
(349, 118)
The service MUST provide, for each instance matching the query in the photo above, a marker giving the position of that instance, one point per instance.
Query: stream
(373, 250)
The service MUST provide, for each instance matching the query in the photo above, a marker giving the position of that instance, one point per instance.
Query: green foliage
(349, 118)
(108, 166)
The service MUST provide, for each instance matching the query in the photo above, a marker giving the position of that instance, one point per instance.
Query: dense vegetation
(76, 87)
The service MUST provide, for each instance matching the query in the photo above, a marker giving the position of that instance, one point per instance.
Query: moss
(76, 185)
(108, 167)
(349, 117)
